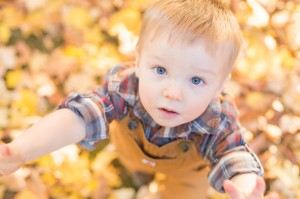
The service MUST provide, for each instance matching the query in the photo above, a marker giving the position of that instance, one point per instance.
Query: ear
(137, 62)
(222, 84)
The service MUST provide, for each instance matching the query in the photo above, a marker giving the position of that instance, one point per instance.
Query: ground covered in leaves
(51, 48)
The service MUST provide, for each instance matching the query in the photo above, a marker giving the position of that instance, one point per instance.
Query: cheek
(137, 71)
(148, 82)
(196, 109)
(145, 90)
(196, 105)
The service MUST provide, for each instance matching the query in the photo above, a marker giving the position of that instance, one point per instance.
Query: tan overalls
(184, 171)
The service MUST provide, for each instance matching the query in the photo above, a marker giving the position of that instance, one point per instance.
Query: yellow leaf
(55, 6)
(28, 102)
(93, 35)
(50, 174)
(273, 132)
(13, 78)
(258, 59)
(34, 5)
(289, 62)
(25, 194)
(72, 51)
(11, 16)
(5, 33)
(129, 17)
(125, 193)
(260, 16)
(78, 18)
(107, 56)
(102, 167)
(69, 170)
(35, 22)
(3, 117)
(140, 4)
(289, 123)
(258, 101)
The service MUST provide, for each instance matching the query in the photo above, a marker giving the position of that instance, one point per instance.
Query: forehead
(171, 39)
(177, 53)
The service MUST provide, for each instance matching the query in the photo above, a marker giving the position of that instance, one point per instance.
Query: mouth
(169, 113)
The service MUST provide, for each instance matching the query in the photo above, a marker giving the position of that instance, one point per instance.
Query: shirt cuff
(96, 129)
(239, 162)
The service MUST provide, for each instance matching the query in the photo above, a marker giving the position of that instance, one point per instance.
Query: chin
(168, 124)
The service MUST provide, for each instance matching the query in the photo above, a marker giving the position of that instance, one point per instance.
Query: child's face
(177, 81)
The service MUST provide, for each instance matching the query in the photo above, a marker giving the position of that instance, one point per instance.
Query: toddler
(165, 113)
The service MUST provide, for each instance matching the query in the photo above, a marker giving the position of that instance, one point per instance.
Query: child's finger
(231, 189)
(4, 150)
(259, 189)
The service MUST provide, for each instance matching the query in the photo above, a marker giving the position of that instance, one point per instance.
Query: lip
(168, 113)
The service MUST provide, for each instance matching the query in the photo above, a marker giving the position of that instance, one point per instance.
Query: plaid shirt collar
(207, 123)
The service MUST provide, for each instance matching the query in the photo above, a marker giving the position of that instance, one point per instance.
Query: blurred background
(49, 48)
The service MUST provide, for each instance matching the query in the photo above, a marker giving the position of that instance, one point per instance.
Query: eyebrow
(202, 70)
(156, 57)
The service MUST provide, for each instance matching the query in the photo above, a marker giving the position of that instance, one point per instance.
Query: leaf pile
(51, 48)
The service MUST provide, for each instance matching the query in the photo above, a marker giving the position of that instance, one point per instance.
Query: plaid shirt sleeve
(98, 108)
(228, 152)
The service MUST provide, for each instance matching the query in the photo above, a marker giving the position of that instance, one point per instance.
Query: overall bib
(183, 173)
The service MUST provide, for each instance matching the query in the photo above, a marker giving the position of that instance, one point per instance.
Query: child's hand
(234, 191)
(9, 162)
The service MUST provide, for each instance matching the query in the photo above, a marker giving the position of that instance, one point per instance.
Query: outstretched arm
(58, 129)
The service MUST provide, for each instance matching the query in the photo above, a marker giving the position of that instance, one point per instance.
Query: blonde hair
(189, 20)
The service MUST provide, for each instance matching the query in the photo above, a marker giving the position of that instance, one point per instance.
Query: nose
(173, 92)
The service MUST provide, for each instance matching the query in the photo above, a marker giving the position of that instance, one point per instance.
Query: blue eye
(196, 80)
(160, 70)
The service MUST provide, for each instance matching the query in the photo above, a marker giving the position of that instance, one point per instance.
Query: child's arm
(247, 186)
(59, 129)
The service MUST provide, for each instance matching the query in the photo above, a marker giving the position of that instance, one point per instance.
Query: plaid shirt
(216, 132)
